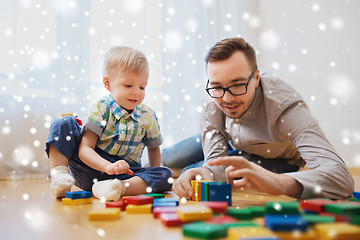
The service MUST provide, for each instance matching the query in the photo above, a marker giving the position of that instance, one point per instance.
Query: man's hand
(182, 186)
(256, 177)
(118, 167)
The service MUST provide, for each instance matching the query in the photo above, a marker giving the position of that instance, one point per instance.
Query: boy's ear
(106, 83)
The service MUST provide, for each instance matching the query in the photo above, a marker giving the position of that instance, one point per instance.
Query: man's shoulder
(278, 90)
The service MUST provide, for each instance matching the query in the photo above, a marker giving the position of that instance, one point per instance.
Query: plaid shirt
(121, 133)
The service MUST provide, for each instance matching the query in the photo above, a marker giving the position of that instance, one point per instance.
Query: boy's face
(127, 88)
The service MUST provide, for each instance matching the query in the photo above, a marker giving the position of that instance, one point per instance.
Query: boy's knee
(166, 179)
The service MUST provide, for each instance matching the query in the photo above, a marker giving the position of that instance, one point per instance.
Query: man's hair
(225, 48)
(125, 59)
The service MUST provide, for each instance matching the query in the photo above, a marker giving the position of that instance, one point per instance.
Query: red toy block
(170, 219)
(139, 200)
(315, 205)
(119, 204)
(157, 211)
(217, 207)
(338, 218)
(222, 219)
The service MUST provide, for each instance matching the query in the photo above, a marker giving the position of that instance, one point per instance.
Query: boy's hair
(225, 48)
(125, 59)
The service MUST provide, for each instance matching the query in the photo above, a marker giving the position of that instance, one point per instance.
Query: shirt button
(237, 120)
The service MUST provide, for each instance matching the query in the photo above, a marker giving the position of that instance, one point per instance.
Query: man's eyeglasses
(236, 90)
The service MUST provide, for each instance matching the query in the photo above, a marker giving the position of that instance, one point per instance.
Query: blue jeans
(65, 135)
(189, 154)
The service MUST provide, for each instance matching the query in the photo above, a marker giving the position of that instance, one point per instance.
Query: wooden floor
(28, 210)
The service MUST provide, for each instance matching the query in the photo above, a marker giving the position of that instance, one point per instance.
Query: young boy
(105, 155)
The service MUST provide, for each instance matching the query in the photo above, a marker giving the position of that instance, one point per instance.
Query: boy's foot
(61, 181)
(110, 190)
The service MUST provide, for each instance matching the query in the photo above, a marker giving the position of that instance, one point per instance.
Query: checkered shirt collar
(120, 112)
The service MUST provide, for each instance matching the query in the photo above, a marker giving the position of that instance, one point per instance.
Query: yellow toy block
(310, 234)
(236, 233)
(194, 212)
(196, 185)
(145, 208)
(104, 214)
(75, 202)
(337, 231)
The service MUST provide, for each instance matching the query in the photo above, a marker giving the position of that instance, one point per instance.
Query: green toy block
(343, 208)
(314, 219)
(204, 230)
(154, 195)
(289, 208)
(354, 199)
(257, 211)
(205, 191)
(240, 224)
(240, 213)
(355, 220)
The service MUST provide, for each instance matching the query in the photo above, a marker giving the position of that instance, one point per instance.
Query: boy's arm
(154, 156)
(87, 153)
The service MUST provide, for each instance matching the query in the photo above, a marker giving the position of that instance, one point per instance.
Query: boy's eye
(142, 88)
(128, 86)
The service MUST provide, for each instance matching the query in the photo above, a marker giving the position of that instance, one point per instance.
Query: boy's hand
(118, 167)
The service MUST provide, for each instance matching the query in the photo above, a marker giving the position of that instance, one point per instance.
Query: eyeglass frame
(228, 88)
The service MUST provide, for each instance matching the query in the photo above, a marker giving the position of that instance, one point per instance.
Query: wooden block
(257, 211)
(314, 218)
(239, 213)
(139, 200)
(78, 194)
(75, 202)
(236, 233)
(157, 211)
(104, 214)
(285, 223)
(338, 218)
(217, 207)
(165, 204)
(337, 231)
(154, 195)
(343, 208)
(192, 182)
(222, 220)
(205, 191)
(240, 224)
(146, 208)
(356, 195)
(118, 204)
(310, 234)
(170, 219)
(315, 205)
(289, 208)
(204, 230)
(189, 213)
(219, 191)
(166, 200)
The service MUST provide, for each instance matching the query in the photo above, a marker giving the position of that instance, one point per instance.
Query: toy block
(354, 199)
(220, 192)
(75, 202)
(343, 208)
(288, 208)
(170, 219)
(139, 200)
(145, 208)
(157, 211)
(189, 213)
(257, 211)
(337, 231)
(240, 224)
(78, 194)
(338, 218)
(193, 182)
(285, 223)
(257, 232)
(309, 234)
(313, 218)
(315, 205)
(355, 220)
(154, 195)
(166, 200)
(240, 213)
(217, 207)
(104, 214)
(222, 220)
(356, 195)
(205, 191)
(204, 230)
(165, 204)
(196, 185)
(118, 204)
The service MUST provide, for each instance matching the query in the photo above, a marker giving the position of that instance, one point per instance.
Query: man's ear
(106, 83)
(257, 78)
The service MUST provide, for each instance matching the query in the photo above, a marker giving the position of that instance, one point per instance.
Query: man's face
(229, 72)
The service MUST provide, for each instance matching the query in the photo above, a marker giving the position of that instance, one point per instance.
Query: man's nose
(228, 97)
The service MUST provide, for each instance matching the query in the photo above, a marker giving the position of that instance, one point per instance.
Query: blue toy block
(220, 192)
(356, 195)
(165, 204)
(78, 194)
(285, 222)
(166, 200)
